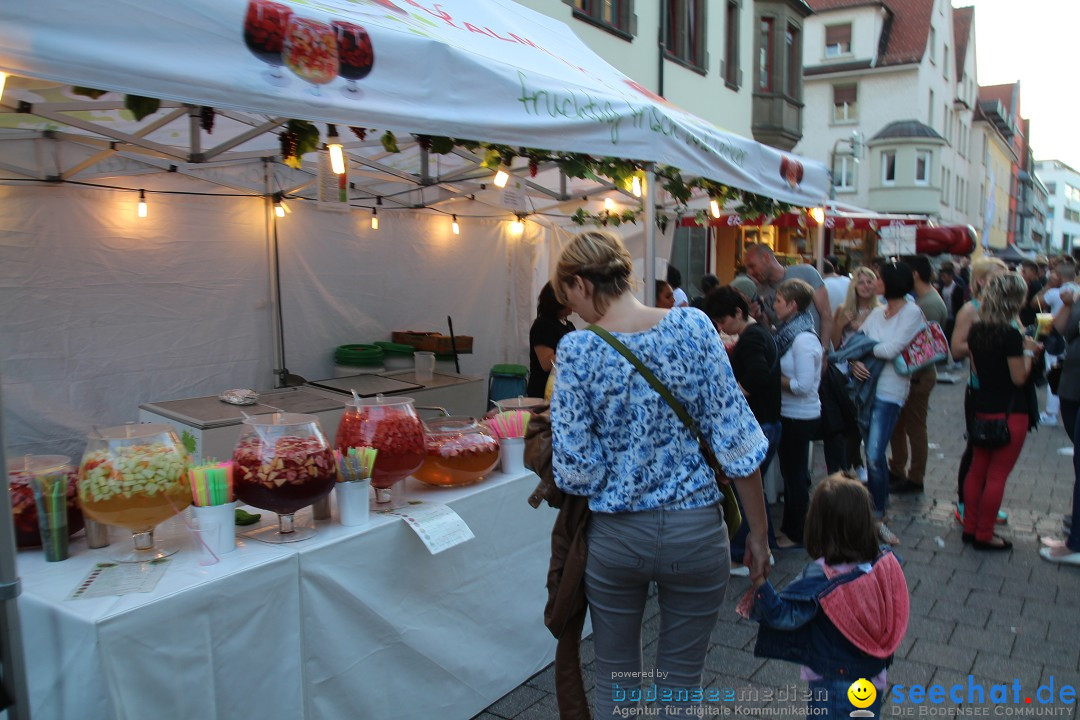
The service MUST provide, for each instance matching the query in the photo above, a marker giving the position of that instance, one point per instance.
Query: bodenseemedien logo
(862, 695)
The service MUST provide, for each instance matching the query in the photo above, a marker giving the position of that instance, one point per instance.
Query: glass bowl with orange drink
(135, 477)
(459, 451)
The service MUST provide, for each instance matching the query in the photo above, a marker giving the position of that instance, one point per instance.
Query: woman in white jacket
(892, 326)
(800, 407)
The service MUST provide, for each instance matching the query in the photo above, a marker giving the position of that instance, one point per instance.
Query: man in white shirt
(835, 284)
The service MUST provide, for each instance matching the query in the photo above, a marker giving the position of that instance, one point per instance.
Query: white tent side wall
(104, 311)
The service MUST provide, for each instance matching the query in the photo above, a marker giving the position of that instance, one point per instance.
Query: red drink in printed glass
(264, 34)
(282, 463)
(310, 51)
(389, 425)
(355, 54)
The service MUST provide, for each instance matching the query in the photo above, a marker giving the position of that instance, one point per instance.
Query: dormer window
(837, 40)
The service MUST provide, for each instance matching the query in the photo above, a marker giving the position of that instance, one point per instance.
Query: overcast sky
(1038, 43)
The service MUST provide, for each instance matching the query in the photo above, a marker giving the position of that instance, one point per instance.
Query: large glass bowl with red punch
(282, 462)
(390, 426)
(135, 476)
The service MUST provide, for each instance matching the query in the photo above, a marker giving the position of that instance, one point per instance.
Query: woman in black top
(755, 361)
(544, 336)
(1002, 358)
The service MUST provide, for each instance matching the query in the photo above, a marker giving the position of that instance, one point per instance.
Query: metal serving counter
(210, 427)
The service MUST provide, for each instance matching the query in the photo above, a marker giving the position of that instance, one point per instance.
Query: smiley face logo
(862, 693)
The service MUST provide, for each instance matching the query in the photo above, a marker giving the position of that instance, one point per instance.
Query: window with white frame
(845, 103)
(843, 173)
(959, 188)
(945, 62)
(732, 73)
(922, 167)
(930, 111)
(837, 40)
(888, 167)
(612, 14)
(685, 38)
(933, 44)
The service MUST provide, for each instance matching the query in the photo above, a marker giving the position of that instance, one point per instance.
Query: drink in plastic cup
(1043, 323)
(425, 365)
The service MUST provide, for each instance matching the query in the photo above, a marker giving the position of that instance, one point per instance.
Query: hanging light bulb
(455, 227)
(818, 215)
(374, 218)
(142, 212)
(609, 204)
(517, 227)
(279, 209)
(714, 207)
(501, 177)
(635, 186)
(337, 156)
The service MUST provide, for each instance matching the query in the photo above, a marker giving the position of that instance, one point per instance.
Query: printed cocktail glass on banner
(264, 34)
(355, 55)
(310, 51)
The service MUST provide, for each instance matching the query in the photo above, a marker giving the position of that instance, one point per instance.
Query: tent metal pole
(275, 283)
(12, 660)
(648, 197)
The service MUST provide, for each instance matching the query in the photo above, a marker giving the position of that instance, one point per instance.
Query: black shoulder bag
(732, 516)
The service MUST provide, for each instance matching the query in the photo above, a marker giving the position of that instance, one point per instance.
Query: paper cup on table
(352, 502)
(512, 455)
(217, 526)
(425, 365)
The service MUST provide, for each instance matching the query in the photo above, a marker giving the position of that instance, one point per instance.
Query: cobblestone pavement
(999, 617)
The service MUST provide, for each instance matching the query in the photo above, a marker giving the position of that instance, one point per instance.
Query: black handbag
(992, 433)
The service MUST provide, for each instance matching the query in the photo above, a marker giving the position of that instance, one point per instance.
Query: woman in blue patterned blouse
(655, 506)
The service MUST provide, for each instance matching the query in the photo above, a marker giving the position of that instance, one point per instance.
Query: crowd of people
(761, 368)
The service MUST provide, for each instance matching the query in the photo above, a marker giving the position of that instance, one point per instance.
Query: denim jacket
(793, 626)
(859, 347)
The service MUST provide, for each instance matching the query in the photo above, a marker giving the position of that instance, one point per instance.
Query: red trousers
(985, 483)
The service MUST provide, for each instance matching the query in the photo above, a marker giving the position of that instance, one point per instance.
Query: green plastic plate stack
(392, 348)
(358, 355)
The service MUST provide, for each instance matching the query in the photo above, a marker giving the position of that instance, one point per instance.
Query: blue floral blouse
(615, 439)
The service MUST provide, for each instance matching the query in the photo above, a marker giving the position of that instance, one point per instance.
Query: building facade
(1063, 199)
(898, 79)
(993, 169)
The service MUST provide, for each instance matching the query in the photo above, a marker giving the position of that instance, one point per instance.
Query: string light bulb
(609, 204)
(818, 215)
(374, 218)
(3, 81)
(635, 186)
(142, 211)
(337, 156)
(517, 227)
(714, 207)
(279, 209)
(455, 227)
(501, 178)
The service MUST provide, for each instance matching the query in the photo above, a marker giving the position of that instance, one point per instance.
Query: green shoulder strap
(688, 421)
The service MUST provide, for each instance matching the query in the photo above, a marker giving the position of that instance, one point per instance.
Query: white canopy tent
(104, 311)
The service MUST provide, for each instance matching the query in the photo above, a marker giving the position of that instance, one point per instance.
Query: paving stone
(1000, 642)
(776, 674)
(543, 680)
(733, 663)
(976, 581)
(908, 672)
(956, 611)
(933, 653)
(991, 667)
(1062, 677)
(1029, 627)
(1045, 652)
(546, 709)
(736, 635)
(995, 601)
(517, 701)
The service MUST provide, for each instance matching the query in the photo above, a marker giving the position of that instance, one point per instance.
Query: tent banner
(487, 70)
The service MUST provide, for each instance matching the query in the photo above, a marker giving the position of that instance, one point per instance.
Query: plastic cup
(425, 365)
(217, 527)
(50, 496)
(512, 455)
(352, 501)
(205, 539)
(1043, 323)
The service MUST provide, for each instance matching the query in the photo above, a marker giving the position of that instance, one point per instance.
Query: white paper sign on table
(436, 524)
(107, 579)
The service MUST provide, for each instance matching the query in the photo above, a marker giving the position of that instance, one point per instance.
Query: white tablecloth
(353, 623)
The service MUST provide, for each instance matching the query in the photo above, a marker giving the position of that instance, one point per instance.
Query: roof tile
(906, 28)
(962, 18)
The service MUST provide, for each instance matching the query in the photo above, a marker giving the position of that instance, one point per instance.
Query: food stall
(197, 262)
